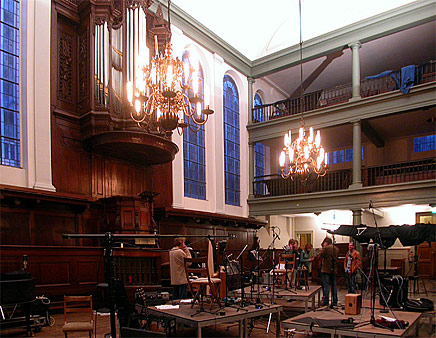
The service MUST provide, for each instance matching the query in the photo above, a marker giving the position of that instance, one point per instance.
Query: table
(232, 314)
(304, 295)
(367, 330)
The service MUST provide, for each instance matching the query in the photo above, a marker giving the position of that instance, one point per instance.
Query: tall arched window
(231, 141)
(194, 167)
(259, 152)
(9, 86)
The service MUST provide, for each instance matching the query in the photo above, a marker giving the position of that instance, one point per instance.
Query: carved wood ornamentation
(65, 66)
(83, 67)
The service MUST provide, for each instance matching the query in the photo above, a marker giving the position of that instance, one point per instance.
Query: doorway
(426, 252)
(304, 237)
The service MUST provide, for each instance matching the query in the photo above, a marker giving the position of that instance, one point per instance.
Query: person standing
(306, 257)
(351, 265)
(329, 257)
(177, 268)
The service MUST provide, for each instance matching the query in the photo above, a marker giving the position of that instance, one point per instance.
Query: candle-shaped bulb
(156, 46)
(310, 135)
(318, 139)
(169, 75)
(130, 91)
(301, 133)
(137, 106)
(199, 110)
(291, 154)
(282, 159)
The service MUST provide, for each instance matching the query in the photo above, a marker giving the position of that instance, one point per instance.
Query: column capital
(251, 80)
(218, 58)
(355, 44)
(355, 121)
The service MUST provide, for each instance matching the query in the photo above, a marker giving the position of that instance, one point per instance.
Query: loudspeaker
(394, 290)
(353, 304)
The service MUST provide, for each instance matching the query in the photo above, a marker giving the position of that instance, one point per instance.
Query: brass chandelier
(305, 155)
(158, 94)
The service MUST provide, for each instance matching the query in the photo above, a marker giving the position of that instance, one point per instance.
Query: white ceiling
(257, 28)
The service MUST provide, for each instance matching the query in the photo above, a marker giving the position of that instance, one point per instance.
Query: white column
(355, 46)
(250, 99)
(250, 170)
(357, 158)
(40, 164)
(218, 64)
(357, 216)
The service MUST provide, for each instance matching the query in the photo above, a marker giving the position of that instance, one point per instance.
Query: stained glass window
(9, 87)
(194, 167)
(424, 143)
(231, 142)
(259, 151)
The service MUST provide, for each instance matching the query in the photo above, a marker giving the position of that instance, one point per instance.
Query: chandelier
(158, 95)
(305, 155)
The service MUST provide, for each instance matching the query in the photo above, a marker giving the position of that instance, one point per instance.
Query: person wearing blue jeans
(329, 258)
(329, 281)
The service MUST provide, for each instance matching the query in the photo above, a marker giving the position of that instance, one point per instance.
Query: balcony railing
(340, 94)
(274, 185)
(400, 172)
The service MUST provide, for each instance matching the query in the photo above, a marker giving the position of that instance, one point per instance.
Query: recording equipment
(419, 305)
(24, 262)
(148, 298)
(394, 290)
(222, 247)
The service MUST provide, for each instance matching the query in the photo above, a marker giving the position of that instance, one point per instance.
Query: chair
(201, 283)
(286, 274)
(302, 277)
(78, 315)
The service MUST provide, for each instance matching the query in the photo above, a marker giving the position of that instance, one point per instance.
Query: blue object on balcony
(407, 78)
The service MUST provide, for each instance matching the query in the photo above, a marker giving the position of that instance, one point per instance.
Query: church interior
(262, 141)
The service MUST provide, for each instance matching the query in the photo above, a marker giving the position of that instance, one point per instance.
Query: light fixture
(158, 93)
(305, 155)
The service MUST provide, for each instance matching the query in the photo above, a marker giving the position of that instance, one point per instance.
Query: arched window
(194, 167)
(258, 113)
(259, 152)
(231, 141)
(9, 86)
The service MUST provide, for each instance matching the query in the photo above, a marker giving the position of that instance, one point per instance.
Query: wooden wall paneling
(98, 176)
(50, 226)
(57, 271)
(163, 183)
(15, 226)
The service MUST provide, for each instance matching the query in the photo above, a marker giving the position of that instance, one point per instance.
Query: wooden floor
(259, 326)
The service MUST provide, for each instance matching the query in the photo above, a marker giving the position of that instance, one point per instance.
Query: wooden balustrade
(277, 186)
(400, 172)
(340, 94)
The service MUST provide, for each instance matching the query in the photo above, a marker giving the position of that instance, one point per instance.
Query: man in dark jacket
(329, 258)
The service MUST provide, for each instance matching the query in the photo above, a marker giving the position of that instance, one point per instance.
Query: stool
(301, 277)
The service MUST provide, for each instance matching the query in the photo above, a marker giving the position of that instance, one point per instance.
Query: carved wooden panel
(84, 69)
(14, 226)
(50, 226)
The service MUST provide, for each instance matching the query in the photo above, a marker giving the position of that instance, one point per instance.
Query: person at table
(177, 268)
(306, 257)
(297, 251)
(329, 258)
(351, 265)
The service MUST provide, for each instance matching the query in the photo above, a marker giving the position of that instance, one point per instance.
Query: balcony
(402, 172)
(341, 94)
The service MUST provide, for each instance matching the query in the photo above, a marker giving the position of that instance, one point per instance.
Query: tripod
(415, 277)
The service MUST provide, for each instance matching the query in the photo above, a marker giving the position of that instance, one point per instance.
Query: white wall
(214, 69)
(283, 228)
(35, 142)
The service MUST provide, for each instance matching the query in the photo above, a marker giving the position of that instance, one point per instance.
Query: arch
(231, 141)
